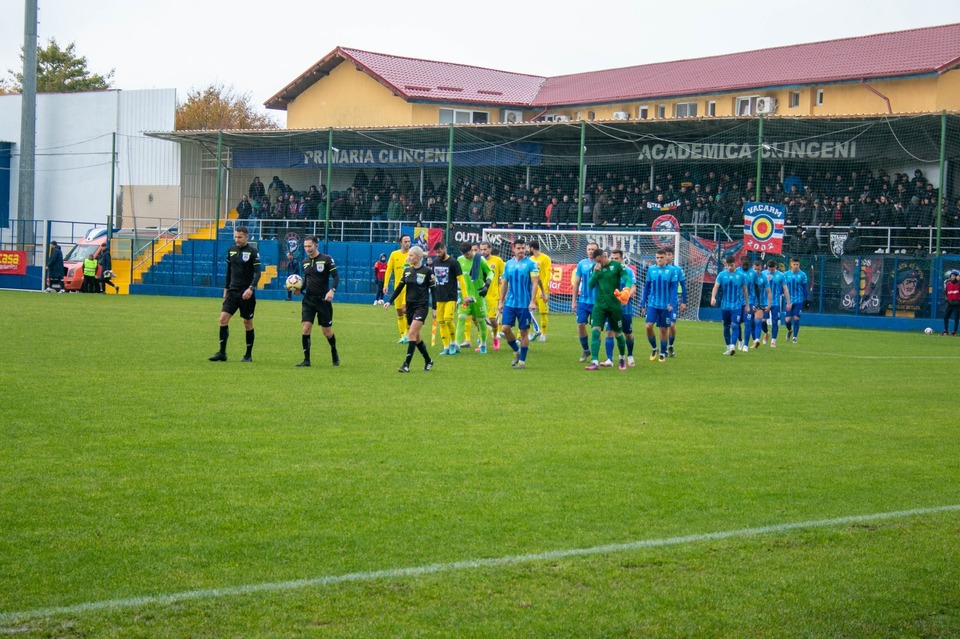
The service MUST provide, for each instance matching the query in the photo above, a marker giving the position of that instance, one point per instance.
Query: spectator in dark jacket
(244, 208)
(55, 270)
(851, 244)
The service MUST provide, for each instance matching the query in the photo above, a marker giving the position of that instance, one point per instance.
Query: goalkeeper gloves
(483, 289)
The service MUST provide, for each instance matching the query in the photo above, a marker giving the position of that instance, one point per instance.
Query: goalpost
(567, 248)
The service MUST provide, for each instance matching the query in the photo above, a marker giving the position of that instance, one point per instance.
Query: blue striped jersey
(517, 275)
(731, 290)
(660, 286)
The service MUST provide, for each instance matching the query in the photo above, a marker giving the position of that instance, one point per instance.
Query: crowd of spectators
(817, 203)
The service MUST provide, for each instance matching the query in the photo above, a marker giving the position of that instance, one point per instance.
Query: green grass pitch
(147, 492)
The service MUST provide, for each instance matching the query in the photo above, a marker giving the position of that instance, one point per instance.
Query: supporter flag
(862, 285)
(423, 236)
(763, 227)
(665, 207)
(712, 255)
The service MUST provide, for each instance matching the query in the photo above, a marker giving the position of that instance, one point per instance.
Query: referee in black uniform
(320, 282)
(419, 282)
(243, 273)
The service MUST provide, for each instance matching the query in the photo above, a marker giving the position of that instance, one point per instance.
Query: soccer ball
(294, 283)
(928, 331)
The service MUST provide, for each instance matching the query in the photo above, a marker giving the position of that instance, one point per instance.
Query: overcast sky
(259, 47)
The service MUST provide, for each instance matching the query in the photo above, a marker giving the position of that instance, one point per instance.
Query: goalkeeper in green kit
(608, 308)
(479, 276)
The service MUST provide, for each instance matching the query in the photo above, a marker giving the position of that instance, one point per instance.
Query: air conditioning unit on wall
(511, 117)
(766, 104)
(621, 115)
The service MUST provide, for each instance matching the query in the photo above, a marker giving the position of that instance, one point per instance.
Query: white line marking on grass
(801, 351)
(431, 569)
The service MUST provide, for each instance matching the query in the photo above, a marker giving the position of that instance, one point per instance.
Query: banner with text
(862, 285)
(13, 262)
(514, 154)
(763, 227)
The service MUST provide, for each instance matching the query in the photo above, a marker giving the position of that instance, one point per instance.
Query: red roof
(901, 53)
(925, 51)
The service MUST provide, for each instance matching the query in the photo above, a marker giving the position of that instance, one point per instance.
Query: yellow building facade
(349, 97)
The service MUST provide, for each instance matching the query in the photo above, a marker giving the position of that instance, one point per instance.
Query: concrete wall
(74, 152)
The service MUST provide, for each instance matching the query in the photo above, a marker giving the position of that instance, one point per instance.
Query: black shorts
(316, 307)
(417, 314)
(235, 301)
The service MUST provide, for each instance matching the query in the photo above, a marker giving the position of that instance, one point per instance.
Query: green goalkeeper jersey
(607, 280)
(476, 271)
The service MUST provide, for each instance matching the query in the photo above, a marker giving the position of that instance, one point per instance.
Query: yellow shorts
(447, 311)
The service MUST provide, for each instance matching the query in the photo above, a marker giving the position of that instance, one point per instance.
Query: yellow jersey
(546, 269)
(496, 264)
(396, 264)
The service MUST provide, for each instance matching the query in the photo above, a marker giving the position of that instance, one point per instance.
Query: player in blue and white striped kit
(733, 292)
(750, 281)
(796, 283)
(761, 300)
(584, 298)
(518, 288)
(658, 287)
(679, 305)
(779, 290)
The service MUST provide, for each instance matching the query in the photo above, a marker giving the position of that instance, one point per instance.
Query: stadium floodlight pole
(582, 177)
(219, 179)
(941, 190)
(759, 158)
(449, 184)
(28, 129)
(326, 208)
(113, 187)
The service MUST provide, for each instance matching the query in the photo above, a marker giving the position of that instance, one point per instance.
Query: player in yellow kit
(543, 300)
(396, 264)
(495, 262)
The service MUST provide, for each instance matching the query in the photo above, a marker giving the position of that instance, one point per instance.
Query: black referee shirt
(417, 282)
(243, 267)
(317, 274)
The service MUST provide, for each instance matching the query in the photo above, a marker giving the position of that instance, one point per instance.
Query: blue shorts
(583, 313)
(730, 316)
(521, 316)
(658, 316)
(794, 310)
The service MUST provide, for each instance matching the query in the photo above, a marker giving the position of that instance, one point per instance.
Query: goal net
(567, 248)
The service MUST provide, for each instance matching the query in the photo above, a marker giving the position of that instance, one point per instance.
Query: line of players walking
(496, 296)
(748, 295)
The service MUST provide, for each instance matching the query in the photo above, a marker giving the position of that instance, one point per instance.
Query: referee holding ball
(318, 290)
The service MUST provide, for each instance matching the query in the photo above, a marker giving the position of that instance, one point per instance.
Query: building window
(642, 112)
(591, 116)
(819, 97)
(685, 110)
(794, 99)
(458, 116)
(661, 111)
(711, 108)
(747, 105)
